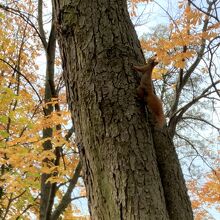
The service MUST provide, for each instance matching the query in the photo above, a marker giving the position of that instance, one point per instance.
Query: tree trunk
(98, 48)
(47, 189)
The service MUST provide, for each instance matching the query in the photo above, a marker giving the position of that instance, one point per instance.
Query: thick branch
(48, 190)
(205, 93)
(179, 114)
(50, 87)
(40, 23)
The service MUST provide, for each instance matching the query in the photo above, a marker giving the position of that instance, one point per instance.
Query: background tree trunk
(117, 145)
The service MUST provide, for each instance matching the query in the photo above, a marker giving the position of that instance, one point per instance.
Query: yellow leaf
(179, 64)
(55, 179)
(158, 73)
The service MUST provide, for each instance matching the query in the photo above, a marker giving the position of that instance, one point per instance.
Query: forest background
(37, 148)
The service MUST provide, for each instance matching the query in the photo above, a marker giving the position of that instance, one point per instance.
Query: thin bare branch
(197, 152)
(202, 120)
(67, 196)
(205, 93)
(206, 12)
(28, 207)
(24, 16)
(28, 81)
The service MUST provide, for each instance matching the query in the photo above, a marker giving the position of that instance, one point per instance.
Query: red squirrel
(146, 93)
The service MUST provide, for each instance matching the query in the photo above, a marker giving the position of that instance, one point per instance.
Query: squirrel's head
(152, 61)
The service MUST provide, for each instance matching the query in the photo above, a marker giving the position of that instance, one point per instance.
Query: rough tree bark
(131, 170)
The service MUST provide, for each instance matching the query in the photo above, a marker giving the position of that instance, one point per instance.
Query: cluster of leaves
(205, 195)
(185, 32)
(17, 116)
(132, 4)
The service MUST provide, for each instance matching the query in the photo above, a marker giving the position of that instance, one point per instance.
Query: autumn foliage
(189, 39)
(22, 119)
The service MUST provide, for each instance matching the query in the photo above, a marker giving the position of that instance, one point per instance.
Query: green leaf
(3, 119)
(4, 134)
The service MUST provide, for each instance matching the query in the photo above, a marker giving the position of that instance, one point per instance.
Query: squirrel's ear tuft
(153, 60)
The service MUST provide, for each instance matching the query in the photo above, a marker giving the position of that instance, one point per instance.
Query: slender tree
(48, 188)
(131, 170)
